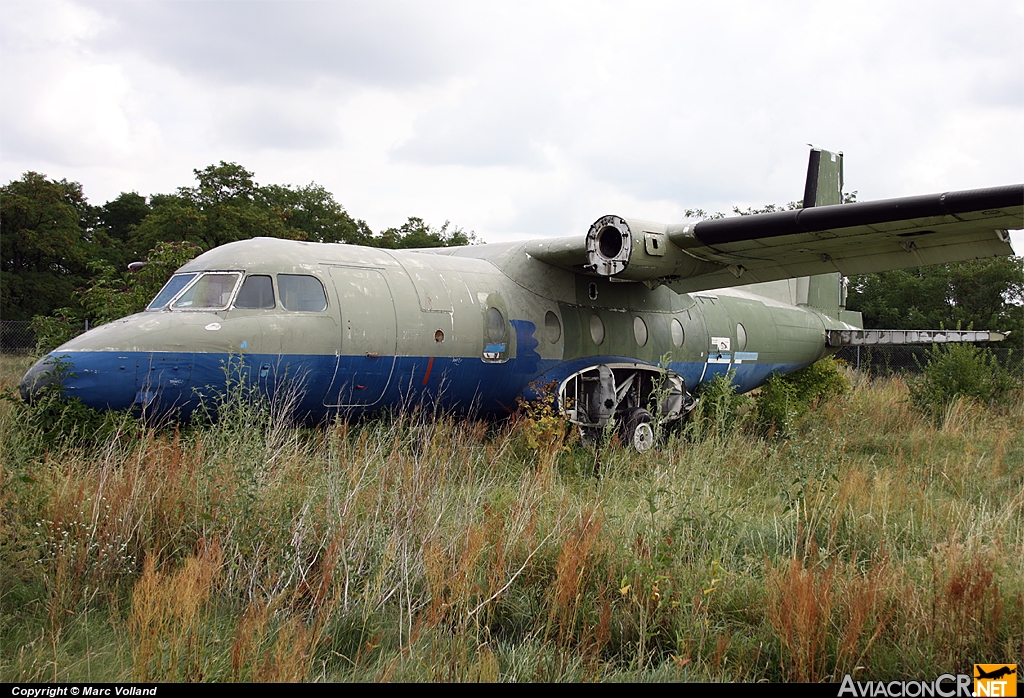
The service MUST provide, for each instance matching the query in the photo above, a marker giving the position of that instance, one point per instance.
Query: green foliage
(782, 403)
(777, 406)
(984, 294)
(959, 370)
(112, 295)
(720, 408)
(541, 424)
(53, 330)
(42, 252)
(785, 400)
(112, 233)
(116, 294)
(415, 233)
(52, 242)
(53, 420)
(313, 210)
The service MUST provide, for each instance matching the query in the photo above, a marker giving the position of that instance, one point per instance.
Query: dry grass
(442, 549)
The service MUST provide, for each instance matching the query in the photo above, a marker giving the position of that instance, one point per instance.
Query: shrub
(53, 419)
(720, 408)
(785, 400)
(959, 370)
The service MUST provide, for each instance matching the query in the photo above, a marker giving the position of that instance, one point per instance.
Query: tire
(638, 431)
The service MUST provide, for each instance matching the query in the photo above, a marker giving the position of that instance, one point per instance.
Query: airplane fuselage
(352, 329)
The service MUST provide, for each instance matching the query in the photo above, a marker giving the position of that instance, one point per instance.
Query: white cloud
(515, 119)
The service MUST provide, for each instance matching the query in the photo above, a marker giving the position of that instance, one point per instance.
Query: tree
(416, 233)
(43, 256)
(112, 294)
(983, 294)
(227, 205)
(313, 210)
(54, 242)
(114, 228)
(224, 207)
(116, 293)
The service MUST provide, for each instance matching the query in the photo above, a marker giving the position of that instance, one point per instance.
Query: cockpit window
(257, 292)
(211, 291)
(301, 292)
(170, 290)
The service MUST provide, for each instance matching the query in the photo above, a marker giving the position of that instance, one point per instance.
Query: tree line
(63, 258)
(55, 246)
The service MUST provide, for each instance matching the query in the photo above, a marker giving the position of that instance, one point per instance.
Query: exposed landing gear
(637, 431)
(640, 399)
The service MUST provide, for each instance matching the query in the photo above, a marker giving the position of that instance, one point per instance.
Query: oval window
(741, 337)
(677, 333)
(495, 325)
(552, 327)
(596, 329)
(639, 331)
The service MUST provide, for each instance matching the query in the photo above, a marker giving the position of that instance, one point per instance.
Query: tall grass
(408, 548)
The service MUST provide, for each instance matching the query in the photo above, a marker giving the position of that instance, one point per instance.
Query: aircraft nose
(36, 380)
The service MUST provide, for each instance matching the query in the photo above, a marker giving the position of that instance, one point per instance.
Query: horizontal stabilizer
(850, 338)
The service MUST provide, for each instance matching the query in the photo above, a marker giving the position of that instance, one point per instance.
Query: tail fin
(824, 185)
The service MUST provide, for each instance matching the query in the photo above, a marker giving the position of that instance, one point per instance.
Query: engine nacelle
(623, 248)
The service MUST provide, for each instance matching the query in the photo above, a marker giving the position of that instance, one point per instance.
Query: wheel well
(597, 394)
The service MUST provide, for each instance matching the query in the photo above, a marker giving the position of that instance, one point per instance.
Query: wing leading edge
(824, 237)
(851, 238)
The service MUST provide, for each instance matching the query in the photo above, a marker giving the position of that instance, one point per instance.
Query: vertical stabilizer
(824, 185)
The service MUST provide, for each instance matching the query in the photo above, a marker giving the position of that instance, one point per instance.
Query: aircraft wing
(854, 238)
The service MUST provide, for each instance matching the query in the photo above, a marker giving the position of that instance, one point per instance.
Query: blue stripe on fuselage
(168, 381)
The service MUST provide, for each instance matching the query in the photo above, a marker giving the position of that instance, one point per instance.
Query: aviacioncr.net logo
(995, 680)
(945, 686)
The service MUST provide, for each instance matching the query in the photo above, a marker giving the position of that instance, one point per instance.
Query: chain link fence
(891, 360)
(17, 337)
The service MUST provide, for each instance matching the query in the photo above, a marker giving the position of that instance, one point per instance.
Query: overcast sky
(515, 119)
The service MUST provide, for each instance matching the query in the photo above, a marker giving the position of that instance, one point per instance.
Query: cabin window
(170, 290)
(596, 329)
(257, 293)
(210, 291)
(741, 337)
(678, 336)
(639, 331)
(301, 292)
(495, 325)
(552, 327)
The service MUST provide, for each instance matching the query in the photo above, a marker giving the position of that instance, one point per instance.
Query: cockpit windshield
(170, 290)
(211, 291)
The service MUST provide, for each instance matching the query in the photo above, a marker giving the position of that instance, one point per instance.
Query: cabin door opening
(366, 357)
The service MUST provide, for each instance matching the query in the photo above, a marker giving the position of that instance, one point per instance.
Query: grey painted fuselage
(405, 327)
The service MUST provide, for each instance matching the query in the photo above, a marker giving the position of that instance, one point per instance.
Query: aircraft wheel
(637, 430)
